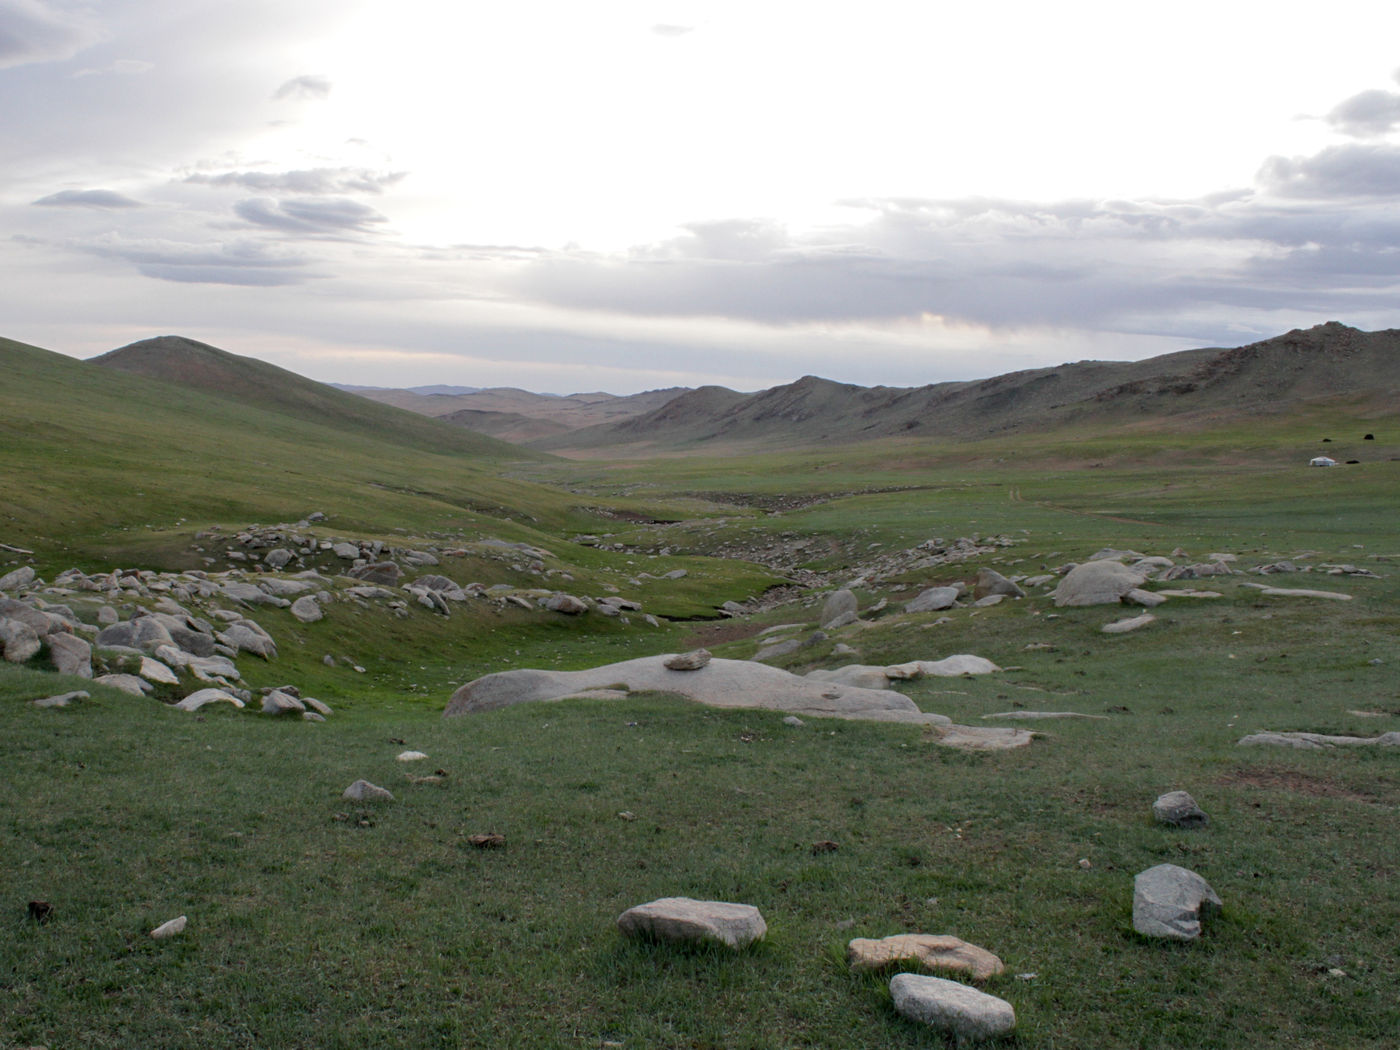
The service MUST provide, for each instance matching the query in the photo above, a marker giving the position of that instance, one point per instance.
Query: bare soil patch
(1296, 782)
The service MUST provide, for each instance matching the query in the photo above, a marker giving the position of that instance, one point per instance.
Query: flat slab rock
(962, 1012)
(933, 951)
(1299, 592)
(1317, 741)
(719, 683)
(983, 738)
(685, 920)
(1170, 901)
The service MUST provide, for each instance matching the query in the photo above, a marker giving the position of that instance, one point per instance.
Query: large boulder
(566, 604)
(145, 633)
(955, 1009)
(720, 683)
(18, 641)
(991, 583)
(1104, 582)
(692, 921)
(21, 577)
(244, 637)
(70, 654)
(1169, 902)
(307, 609)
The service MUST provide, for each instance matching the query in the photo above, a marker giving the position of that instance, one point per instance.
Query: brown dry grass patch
(1298, 783)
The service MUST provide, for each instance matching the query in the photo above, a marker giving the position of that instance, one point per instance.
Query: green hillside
(110, 462)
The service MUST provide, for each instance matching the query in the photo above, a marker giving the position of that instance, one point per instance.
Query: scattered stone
(1098, 582)
(934, 599)
(1299, 592)
(991, 583)
(277, 558)
(794, 722)
(1179, 809)
(1131, 624)
(153, 670)
(410, 756)
(383, 573)
(199, 699)
(1317, 741)
(691, 661)
(21, 577)
(1147, 599)
(307, 609)
(567, 604)
(1170, 902)
(962, 1012)
(170, 929)
(982, 738)
(932, 951)
(277, 702)
(840, 605)
(364, 791)
(491, 840)
(857, 675)
(127, 683)
(18, 640)
(70, 654)
(62, 699)
(684, 920)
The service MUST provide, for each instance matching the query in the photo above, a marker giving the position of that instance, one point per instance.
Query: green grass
(318, 922)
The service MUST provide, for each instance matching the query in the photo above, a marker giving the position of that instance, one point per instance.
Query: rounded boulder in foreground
(960, 1011)
(688, 921)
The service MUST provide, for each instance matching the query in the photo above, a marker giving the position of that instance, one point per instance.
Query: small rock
(307, 609)
(62, 699)
(934, 599)
(930, 950)
(1169, 901)
(1131, 624)
(364, 791)
(794, 721)
(991, 583)
(491, 840)
(962, 1012)
(682, 919)
(1179, 809)
(691, 661)
(169, 929)
(410, 756)
(840, 605)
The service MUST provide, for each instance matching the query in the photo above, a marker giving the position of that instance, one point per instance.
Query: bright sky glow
(624, 195)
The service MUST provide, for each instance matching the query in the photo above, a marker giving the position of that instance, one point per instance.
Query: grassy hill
(104, 461)
(198, 366)
(1205, 388)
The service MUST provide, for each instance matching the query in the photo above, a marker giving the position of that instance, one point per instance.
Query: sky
(624, 195)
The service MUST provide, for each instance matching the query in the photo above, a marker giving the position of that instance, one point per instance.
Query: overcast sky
(625, 195)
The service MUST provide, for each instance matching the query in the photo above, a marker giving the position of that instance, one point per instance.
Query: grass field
(315, 922)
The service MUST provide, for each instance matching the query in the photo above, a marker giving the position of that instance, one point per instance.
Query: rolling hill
(1192, 387)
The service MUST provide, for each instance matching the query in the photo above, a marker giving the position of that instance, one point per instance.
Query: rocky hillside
(1204, 386)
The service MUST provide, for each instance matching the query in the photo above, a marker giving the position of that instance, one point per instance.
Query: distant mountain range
(1201, 387)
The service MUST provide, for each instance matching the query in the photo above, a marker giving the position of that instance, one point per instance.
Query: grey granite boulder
(145, 633)
(199, 699)
(1179, 809)
(566, 604)
(127, 683)
(840, 605)
(1104, 582)
(691, 661)
(364, 791)
(18, 641)
(685, 920)
(991, 583)
(21, 577)
(954, 1009)
(70, 654)
(1169, 902)
(1317, 741)
(247, 638)
(934, 599)
(385, 573)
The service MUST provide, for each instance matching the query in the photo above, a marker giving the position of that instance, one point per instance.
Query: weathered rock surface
(62, 699)
(307, 609)
(991, 583)
(18, 640)
(839, 605)
(964, 1013)
(127, 683)
(1103, 582)
(70, 654)
(171, 928)
(858, 675)
(1317, 741)
(1179, 809)
(567, 604)
(1133, 623)
(685, 920)
(948, 667)
(720, 683)
(1169, 901)
(934, 599)
(933, 951)
(1299, 592)
(691, 661)
(384, 573)
(145, 633)
(364, 791)
(18, 578)
(245, 638)
(199, 699)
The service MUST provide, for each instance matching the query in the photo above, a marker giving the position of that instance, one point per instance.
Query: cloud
(309, 215)
(237, 262)
(304, 87)
(1366, 115)
(306, 181)
(1353, 170)
(122, 67)
(33, 31)
(88, 199)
